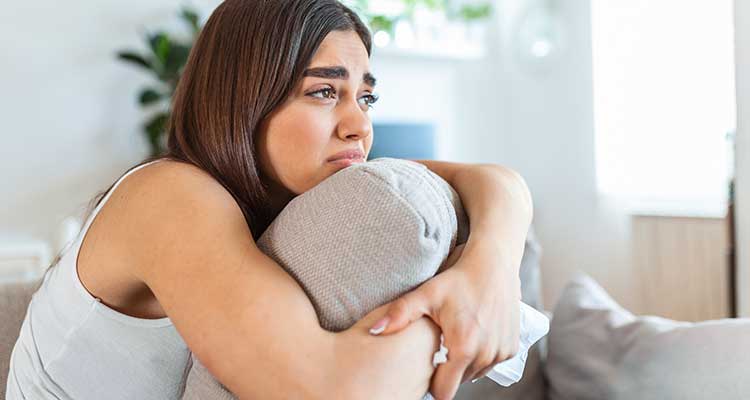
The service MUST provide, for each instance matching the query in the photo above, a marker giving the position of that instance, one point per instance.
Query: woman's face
(325, 115)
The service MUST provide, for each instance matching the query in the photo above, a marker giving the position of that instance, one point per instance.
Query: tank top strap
(99, 206)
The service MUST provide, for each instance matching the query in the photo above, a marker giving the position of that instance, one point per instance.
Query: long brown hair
(246, 61)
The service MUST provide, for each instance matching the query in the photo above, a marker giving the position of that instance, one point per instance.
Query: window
(664, 102)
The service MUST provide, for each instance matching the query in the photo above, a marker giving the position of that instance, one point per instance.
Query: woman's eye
(326, 92)
(370, 99)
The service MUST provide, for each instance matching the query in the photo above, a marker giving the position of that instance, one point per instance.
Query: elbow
(523, 190)
(515, 185)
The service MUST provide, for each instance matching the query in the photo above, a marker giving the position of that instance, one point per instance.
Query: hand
(476, 305)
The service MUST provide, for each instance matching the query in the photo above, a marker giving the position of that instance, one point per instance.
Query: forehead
(344, 48)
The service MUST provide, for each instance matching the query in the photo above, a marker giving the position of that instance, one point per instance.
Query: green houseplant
(164, 60)
(467, 12)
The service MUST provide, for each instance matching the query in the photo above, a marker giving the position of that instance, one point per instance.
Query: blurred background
(621, 116)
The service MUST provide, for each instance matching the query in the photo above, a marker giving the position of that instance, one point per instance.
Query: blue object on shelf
(410, 140)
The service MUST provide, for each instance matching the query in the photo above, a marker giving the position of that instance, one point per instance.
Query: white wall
(742, 35)
(549, 126)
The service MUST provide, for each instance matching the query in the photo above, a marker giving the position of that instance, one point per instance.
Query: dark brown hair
(250, 55)
(247, 59)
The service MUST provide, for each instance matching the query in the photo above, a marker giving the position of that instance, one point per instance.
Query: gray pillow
(599, 350)
(358, 240)
(364, 237)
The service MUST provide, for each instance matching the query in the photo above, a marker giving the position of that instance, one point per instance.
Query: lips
(353, 154)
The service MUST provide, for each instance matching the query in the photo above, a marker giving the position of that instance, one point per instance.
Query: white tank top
(71, 346)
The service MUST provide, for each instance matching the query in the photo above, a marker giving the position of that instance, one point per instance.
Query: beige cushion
(599, 350)
(14, 300)
(365, 236)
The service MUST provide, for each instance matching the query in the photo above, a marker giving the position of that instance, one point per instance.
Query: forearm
(395, 367)
(497, 203)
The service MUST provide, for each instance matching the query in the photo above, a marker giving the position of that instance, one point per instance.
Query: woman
(272, 101)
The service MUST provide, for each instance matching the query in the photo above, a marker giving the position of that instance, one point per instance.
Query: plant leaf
(191, 17)
(155, 128)
(176, 59)
(160, 45)
(475, 12)
(134, 58)
(149, 96)
(434, 4)
(381, 23)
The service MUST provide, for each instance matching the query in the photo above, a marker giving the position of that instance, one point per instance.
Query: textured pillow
(365, 236)
(358, 240)
(599, 350)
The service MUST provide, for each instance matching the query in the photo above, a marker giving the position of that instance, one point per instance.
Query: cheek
(297, 147)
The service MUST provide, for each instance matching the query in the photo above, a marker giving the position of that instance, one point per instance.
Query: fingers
(406, 309)
(449, 376)
(481, 365)
(484, 364)
(481, 373)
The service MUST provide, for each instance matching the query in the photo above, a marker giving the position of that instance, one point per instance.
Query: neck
(279, 197)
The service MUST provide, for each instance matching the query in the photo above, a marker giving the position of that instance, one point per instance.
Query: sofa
(14, 299)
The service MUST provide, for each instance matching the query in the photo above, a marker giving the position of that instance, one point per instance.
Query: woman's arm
(396, 367)
(497, 202)
(242, 315)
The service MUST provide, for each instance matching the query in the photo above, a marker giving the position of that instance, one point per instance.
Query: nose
(354, 124)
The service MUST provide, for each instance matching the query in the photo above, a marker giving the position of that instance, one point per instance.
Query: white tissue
(440, 356)
(534, 325)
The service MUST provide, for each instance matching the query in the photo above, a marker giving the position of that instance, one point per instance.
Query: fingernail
(379, 327)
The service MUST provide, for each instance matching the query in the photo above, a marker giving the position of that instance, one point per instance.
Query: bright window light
(664, 101)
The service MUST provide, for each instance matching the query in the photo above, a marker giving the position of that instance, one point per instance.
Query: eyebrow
(337, 72)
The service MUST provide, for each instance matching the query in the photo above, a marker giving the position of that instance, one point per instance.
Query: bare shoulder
(175, 203)
(178, 193)
(169, 179)
(168, 204)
